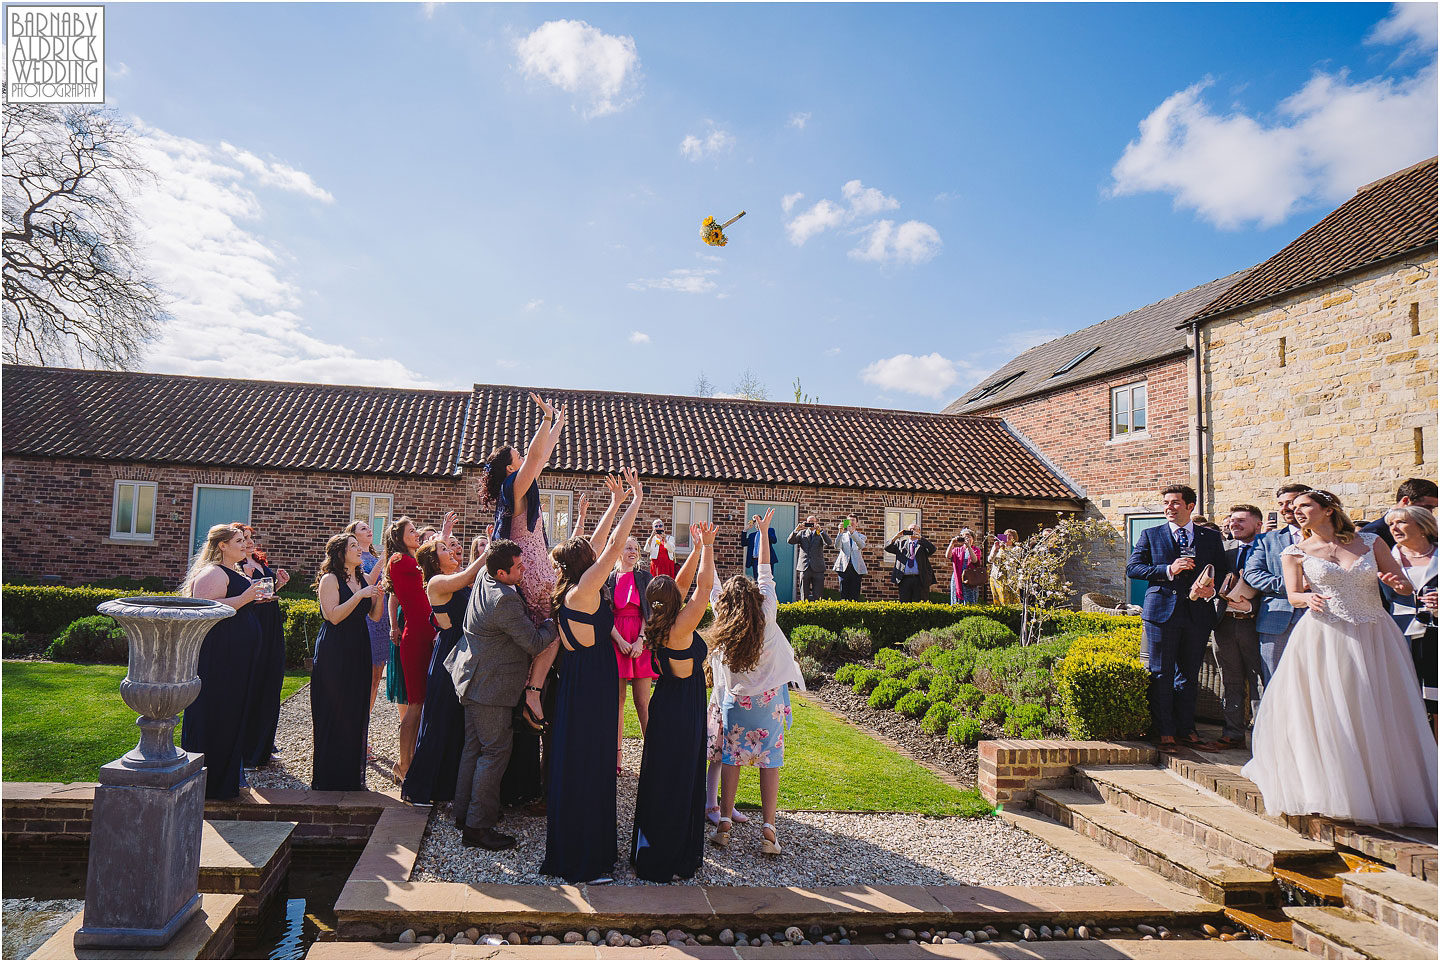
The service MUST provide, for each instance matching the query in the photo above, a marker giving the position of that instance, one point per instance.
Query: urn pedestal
(142, 882)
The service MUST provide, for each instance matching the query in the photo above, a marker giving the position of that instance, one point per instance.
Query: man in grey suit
(1237, 645)
(810, 559)
(489, 667)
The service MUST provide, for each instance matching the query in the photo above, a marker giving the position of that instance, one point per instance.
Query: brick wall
(1357, 384)
(56, 515)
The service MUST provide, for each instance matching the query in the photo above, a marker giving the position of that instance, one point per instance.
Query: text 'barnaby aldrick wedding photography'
(55, 54)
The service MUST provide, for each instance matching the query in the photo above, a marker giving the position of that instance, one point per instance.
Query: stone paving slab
(1354, 933)
(209, 935)
(1413, 893)
(242, 848)
(1098, 949)
(393, 846)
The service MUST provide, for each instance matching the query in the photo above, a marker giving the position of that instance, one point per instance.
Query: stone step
(1332, 933)
(1269, 923)
(1214, 877)
(248, 859)
(1400, 902)
(1159, 796)
(1409, 850)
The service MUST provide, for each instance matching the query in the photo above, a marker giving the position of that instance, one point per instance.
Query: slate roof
(58, 412)
(1385, 219)
(764, 441)
(1138, 337)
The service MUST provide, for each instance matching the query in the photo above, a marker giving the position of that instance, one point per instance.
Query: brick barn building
(1317, 365)
(120, 474)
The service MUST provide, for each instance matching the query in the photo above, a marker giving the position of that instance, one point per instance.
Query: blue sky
(436, 195)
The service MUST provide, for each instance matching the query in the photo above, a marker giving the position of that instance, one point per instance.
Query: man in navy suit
(1171, 556)
(1275, 617)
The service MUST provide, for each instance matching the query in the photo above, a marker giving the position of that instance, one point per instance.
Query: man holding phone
(810, 559)
(913, 574)
(850, 561)
(750, 539)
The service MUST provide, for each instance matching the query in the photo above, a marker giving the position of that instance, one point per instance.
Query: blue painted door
(1133, 528)
(217, 505)
(784, 561)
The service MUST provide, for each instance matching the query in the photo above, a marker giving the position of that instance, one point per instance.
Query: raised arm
(449, 584)
(602, 527)
(686, 574)
(580, 513)
(1390, 574)
(689, 618)
(762, 550)
(542, 445)
(592, 580)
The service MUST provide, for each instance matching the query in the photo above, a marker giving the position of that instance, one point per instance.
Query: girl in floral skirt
(753, 667)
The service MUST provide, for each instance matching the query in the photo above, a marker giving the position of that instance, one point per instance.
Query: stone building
(1320, 365)
(1316, 365)
(117, 474)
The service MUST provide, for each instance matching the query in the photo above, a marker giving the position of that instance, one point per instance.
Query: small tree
(77, 289)
(750, 387)
(1035, 570)
(704, 387)
(801, 397)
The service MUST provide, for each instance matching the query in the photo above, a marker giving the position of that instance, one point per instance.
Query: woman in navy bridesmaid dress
(340, 681)
(580, 840)
(436, 763)
(214, 724)
(263, 718)
(668, 840)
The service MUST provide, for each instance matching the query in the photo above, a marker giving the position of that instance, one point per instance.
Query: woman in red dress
(406, 586)
(661, 549)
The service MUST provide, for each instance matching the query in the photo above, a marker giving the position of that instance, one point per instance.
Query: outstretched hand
(615, 486)
(1397, 582)
(765, 521)
(706, 532)
(632, 478)
(560, 418)
(546, 408)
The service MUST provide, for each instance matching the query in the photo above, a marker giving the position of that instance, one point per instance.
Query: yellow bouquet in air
(714, 234)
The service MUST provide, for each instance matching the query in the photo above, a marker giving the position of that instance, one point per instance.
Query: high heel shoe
(769, 845)
(537, 722)
(721, 838)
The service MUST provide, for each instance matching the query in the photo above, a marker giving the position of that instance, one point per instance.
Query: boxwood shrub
(865, 681)
(1102, 685)
(985, 633)
(920, 679)
(846, 673)
(1023, 717)
(913, 705)
(995, 708)
(938, 718)
(1033, 733)
(818, 643)
(968, 698)
(887, 693)
(965, 731)
(943, 688)
(94, 638)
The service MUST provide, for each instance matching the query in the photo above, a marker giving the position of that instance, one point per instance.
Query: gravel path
(822, 848)
(936, 750)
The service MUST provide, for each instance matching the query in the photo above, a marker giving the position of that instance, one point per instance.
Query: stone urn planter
(142, 881)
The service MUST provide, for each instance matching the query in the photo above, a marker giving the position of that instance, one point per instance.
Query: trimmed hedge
(985, 633)
(920, 679)
(913, 705)
(995, 707)
(943, 688)
(1024, 717)
(865, 681)
(938, 718)
(968, 697)
(890, 623)
(887, 693)
(94, 638)
(846, 673)
(1102, 684)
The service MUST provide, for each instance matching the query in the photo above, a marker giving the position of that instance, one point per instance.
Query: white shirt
(1189, 530)
(776, 667)
(653, 546)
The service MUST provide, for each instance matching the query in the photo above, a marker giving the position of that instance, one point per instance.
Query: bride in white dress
(1341, 730)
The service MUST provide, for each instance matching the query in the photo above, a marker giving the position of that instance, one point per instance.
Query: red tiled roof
(764, 441)
(57, 412)
(1391, 217)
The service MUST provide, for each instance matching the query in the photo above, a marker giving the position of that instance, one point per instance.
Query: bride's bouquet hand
(1315, 602)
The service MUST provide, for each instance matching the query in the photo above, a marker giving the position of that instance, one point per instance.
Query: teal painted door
(784, 561)
(1133, 528)
(216, 505)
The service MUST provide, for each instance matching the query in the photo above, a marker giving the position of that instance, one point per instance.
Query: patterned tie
(1182, 539)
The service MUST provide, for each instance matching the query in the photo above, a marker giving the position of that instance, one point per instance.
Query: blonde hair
(1420, 516)
(1345, 530)
(209, 554)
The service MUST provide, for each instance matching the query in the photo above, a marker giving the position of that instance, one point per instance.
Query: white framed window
(685, 512)
(132, 511)
(1128, 410)
(376, 510)
(555, 509)
(897, 519)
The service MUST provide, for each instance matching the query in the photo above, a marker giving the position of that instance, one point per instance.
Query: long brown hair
(428, 557)
(573, 557)
(495, 472)
(739, 629)
(1344, 528)
(334, 560)
(663, 597)
(394, 544)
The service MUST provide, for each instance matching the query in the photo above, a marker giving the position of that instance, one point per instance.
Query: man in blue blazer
(1177, 630)
(1275, 616)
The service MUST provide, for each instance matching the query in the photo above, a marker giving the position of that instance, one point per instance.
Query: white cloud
(117, 69)
(278, 175)
(913, 242)
(600, 69)
(534, 305)
(714, 141)
(682, 280)
(639, 337)
(831, 351)
(1316, 147)
(818, 219)
(236, 308)
(428, 9)
(866, 201)
(930, 375)
(946, 196)
(799, 120)
(1411, 26)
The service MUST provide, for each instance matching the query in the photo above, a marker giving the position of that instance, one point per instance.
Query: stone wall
(1334, 386)
(56, 515)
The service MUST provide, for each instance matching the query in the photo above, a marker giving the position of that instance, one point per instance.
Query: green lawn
(830, 765)
(63, 721)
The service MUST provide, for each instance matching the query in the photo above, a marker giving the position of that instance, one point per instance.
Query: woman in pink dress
(625, 592)
(964, 555)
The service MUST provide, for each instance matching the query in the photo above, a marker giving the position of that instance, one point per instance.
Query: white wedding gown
(1341, 729)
